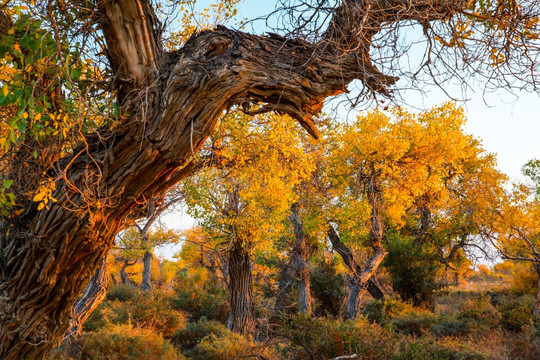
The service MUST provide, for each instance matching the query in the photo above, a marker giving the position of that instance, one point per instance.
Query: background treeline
(363, 242)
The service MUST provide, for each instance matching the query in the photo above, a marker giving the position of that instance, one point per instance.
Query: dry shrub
(210, 340)
(126, 342)
(325, 338)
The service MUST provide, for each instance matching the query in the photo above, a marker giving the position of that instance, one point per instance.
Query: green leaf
(75, 73)
(7, 183)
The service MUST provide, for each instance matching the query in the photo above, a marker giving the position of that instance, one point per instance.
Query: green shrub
(188, 337)
(516, 315)
(122, 292)
(150, 311)
(414, 267)
(328, 288)
(382, 311)
(451, 326)
(327, 338)
(96, 321)
(415, 323)
(201, 300)
(479, 312)
(125, 342)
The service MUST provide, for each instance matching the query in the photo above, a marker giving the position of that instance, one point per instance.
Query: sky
(507, 124)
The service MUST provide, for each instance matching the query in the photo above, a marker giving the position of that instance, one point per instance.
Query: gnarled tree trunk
(171, 101)
(360, 280)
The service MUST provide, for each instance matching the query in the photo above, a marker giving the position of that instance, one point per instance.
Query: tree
(405, 174)
(73, 178)
(243, 195)
(513, 226)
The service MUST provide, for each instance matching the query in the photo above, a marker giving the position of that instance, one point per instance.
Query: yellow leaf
(41, 206)
(37, 117)
(11, 31)
(5, 90)
(25, 115)
(39, 197)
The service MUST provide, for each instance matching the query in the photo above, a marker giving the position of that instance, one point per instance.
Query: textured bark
(174, 100)
(93, 294)
(361, 277)
(241, 318)
(147, 272)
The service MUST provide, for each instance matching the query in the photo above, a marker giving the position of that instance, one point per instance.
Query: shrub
(209, 339)
(326, 338)
(451, 326)
(381, 311)
(480, 312)
(201, 300)
(516, 315)
(122, 292)
(96, 321)
(414, 267)
(125, 342)
(150, 311)
(188, 337)
(415, 323)
(230, 346)
(328, 288)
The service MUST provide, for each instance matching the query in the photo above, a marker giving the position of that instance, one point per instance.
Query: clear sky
(508, 125)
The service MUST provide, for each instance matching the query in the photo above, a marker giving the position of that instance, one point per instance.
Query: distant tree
(406, 172)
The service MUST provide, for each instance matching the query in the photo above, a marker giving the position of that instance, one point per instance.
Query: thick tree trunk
(47, 257)
(241, 318)
(147, 272)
